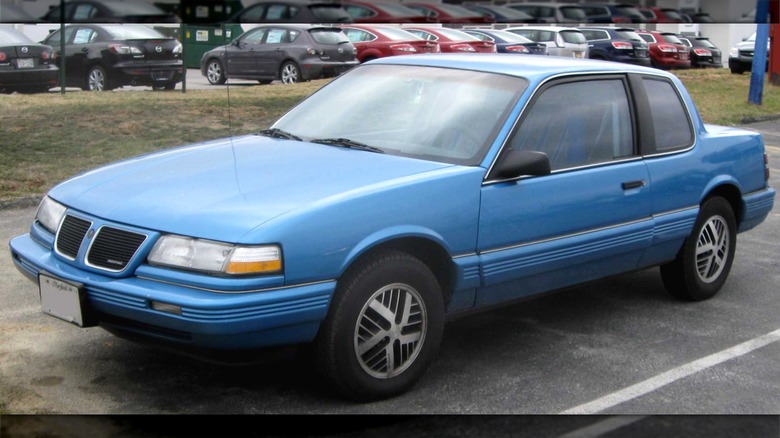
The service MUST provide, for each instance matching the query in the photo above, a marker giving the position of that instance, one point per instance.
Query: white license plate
(61, 300)
(25, 63)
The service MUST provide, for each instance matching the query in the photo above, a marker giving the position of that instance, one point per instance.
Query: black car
(101, 57)
(291, 11)
(702, 52)
(508, 42)
(290, 53)
(616, 44)
(25, 66)
(109, 11)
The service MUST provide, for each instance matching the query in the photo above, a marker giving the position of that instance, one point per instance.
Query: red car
(452, 40)
(382, 12)
(379, 41)
(666, 50)
(447, 13)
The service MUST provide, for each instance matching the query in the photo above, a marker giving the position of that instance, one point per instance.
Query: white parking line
(673, 375)
(603, 427)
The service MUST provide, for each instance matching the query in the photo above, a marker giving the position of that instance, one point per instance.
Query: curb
(750, 119)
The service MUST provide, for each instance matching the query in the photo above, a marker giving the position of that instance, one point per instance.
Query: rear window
(672, 39)
(647, 37)
(671, 126)
(705, 43)
(129, 32)
(457, 35)
(328, 36)
(573, 12)
(628, 35)
(573, 36)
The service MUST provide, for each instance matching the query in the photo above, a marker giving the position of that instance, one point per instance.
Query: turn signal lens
(255, 260)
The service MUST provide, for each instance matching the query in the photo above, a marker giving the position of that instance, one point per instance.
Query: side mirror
(520, 163)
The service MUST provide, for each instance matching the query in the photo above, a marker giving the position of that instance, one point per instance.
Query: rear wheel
(384, 327)
(215, 73)
(289, 73)
(704, 262)
(97, 79)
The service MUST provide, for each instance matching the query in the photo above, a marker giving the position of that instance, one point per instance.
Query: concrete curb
(757, 119)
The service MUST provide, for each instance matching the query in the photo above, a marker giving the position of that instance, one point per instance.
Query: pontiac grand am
(405, 191)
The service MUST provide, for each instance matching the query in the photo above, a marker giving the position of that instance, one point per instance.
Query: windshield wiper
(278, 133)
(347, 143)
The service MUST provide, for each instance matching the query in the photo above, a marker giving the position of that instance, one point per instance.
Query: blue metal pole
(758, 72)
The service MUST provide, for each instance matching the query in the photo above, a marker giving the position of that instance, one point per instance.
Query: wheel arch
(729, 191)
(425, 248)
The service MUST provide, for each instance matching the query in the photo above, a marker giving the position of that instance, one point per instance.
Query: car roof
(536, 68)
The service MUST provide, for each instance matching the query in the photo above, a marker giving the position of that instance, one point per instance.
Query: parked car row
(360, 11)
(108, 56)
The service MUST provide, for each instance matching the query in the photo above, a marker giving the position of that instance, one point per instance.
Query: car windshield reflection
(424, 112)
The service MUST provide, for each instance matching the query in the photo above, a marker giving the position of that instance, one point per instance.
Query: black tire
(97, 79)
(389, 280)
(704, 262)
(289, 73)
(168, 86)
(215, 72)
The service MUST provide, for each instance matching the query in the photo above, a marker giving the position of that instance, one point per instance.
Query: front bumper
(207, 319)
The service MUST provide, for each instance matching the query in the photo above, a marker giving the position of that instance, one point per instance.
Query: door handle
(628, 185)
(85, 49)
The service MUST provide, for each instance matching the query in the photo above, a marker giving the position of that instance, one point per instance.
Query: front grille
(113, 248)
(70, 236)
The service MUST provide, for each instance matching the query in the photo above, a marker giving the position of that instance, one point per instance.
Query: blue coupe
(407, 190)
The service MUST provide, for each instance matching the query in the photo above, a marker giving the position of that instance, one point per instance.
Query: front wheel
(384, 328)
(215, 73)
(704, 262)
(289, 73)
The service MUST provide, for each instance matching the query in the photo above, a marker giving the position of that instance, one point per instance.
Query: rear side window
(671, 125)
(578, 123)
(573, 37)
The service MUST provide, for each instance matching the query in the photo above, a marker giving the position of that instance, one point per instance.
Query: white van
(560, 41)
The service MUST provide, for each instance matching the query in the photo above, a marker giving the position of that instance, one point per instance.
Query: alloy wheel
(712, 249)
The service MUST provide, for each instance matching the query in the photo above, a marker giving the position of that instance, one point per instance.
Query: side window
(578, 123)
(83, 36)
(254, 37)
(277, 12)
(54, 40)
(671, 126)
(276, 36)
(356, 11)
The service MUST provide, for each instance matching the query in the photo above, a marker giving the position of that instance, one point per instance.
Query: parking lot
(617, 346)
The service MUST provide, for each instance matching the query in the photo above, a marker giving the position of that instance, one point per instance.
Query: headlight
(734, 52)
(50, 213)
(216, 257)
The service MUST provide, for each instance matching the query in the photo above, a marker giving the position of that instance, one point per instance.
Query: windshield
(438, 114)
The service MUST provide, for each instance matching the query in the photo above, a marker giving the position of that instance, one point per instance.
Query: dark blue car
(616, 44)
(508, 42)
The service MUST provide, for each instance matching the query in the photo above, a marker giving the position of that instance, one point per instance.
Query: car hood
(223, 189)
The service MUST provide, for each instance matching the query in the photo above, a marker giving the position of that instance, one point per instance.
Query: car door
(54, 40)
(79, 52)
(270, 53)
(590, 217)
(242, 56)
